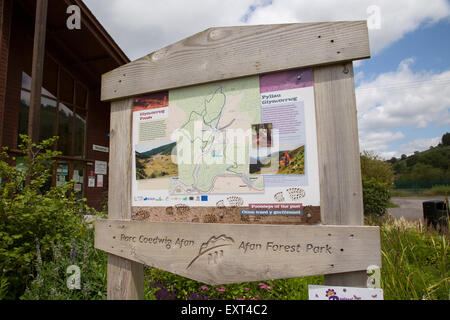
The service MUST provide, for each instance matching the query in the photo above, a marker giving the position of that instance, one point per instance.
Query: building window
(63, 109)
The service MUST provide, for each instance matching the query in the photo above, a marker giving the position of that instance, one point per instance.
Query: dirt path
(410, 207)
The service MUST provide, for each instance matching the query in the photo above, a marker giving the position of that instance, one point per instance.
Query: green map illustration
(214, 120)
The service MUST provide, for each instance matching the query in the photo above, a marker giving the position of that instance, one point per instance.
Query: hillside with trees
(424, 169)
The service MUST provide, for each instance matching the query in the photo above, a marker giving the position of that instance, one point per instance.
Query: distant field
(435, 191)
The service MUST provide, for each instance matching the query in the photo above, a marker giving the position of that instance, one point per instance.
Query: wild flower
(264, 286)
(165, 291)
(73, 251)
(197, 296)
(86, 289)
(38, 257)
(56, 248)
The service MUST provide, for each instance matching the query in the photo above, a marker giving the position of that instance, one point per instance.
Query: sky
(402, 91)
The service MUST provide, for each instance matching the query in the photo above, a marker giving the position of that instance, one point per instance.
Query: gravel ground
(410, 207)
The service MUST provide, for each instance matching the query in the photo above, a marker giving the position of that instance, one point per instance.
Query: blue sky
(428, 48)
(430, 45)
(403, 91)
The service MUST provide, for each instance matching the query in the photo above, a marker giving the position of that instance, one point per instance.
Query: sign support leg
(125, 277)
(341, 199)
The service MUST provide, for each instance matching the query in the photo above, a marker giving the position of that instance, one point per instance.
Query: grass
(435, 191)
(415, 262)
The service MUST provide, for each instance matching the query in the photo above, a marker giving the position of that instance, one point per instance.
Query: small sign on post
(243, 165)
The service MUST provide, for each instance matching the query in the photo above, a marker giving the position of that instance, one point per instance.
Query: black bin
(435, 212)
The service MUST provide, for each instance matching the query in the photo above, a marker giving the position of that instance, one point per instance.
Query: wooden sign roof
(232, 52)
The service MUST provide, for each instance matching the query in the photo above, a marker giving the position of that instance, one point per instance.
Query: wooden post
(5, 34)
(339, 161)
(125, 277)
(40, 29)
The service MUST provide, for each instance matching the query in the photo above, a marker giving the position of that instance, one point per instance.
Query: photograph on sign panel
(153, 101)
(155, 160)
(266, 159)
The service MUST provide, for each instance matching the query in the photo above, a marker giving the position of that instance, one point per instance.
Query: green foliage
(373, 167)
(3, 288)
(29, 214)
(446, 139)
(161, 285)
(438, 191)
(376, 196)
(424, 169)
(377, 177)
(50, 281)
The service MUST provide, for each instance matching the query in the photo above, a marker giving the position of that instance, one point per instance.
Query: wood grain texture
(232, 52)
(37, 72)
(231, 253)
(341, 197)
(125, 277)
(6, 8)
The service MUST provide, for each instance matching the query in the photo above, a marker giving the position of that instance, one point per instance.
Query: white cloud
(143, 26)
(417, 145)
(404, 98)
(375, 141)
(399, 99)
(397, 17)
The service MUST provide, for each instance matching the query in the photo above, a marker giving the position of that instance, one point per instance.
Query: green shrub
(376, 196)
(374, 167)
(50, 281)
(438, 191)
(29, 214)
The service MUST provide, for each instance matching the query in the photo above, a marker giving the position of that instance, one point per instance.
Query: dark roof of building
(90, 50)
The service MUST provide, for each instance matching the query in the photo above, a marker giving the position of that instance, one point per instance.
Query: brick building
(70, 105)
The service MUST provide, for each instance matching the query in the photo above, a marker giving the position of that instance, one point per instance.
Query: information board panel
(247, 143)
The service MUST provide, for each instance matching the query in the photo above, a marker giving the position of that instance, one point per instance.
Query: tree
(374, 167)
(377, 178)
(446, 139)
(393, 160)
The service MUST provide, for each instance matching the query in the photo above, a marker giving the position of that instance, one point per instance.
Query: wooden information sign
(234, 157)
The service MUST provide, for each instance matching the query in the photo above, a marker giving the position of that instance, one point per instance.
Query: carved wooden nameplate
(221, 214)
(231, 253)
